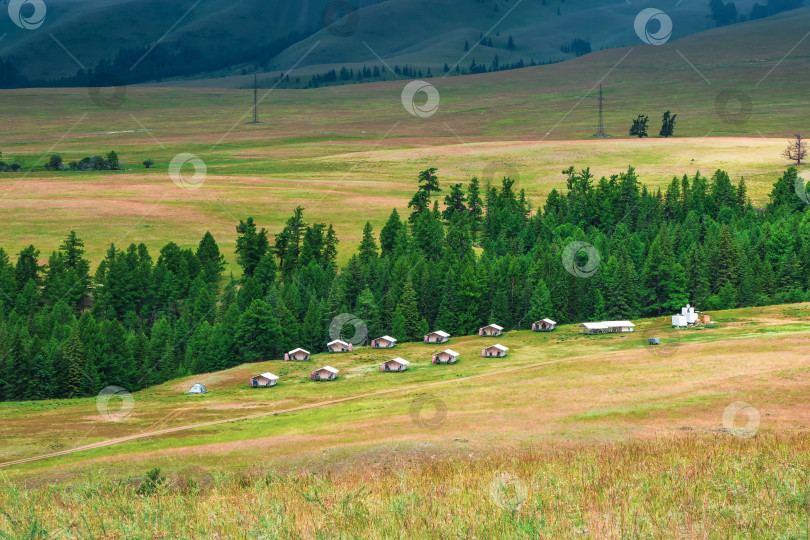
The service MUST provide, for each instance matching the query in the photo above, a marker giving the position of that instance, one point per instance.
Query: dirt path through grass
(120, 440)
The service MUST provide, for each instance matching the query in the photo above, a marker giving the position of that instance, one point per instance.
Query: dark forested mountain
(80, 42)
(463, 256)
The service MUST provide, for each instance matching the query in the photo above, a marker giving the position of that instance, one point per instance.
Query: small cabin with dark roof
(384, 342)
(490, 330)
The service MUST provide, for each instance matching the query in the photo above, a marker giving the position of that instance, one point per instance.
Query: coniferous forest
(463, 256)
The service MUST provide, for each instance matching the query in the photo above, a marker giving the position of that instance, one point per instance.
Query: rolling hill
(215, 37)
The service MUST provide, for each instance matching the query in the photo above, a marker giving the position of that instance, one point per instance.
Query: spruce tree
(368, 246)
(407, 320)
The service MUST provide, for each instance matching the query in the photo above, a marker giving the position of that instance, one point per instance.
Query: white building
(605, 327)
(688, 317)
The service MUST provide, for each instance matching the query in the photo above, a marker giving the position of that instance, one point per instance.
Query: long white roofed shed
(384, 342)
(395, 364)
(490, 330)
(339, 346)
(326, 373)
(439, 336)
(445, 357)
(297, 354)
(605, 327)
(496, 350)
(265, 379)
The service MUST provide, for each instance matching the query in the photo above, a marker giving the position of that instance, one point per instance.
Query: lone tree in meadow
(148, 163)
(796, 150)
(639, 127)
(668, 124)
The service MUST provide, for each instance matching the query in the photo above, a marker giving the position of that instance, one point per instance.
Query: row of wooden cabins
(447, 356)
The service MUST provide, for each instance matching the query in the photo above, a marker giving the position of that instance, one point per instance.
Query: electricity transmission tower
(255, 101)
(600, 131)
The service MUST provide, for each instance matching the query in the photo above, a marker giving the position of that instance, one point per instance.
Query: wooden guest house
(445, 357)
(384, 342)
(339, 346)
(297, 354)
(496, 350)
(395, 364)
(544, 325)
(606, 327)
(326, 373)
(490, 330)
(439, 336)
(263, 380)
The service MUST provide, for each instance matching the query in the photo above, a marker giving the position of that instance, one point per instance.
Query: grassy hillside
(357, 147)
(538, 392)
(404, 32)
(565, 424)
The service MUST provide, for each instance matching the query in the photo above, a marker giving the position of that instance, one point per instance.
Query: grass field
(349, 154)
(595, 435)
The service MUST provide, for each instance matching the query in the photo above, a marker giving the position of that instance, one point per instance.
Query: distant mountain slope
(221, 37)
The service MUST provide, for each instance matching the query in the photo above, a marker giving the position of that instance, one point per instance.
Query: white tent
(197, 388)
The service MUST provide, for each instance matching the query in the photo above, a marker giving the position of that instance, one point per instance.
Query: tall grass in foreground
(690, 486)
